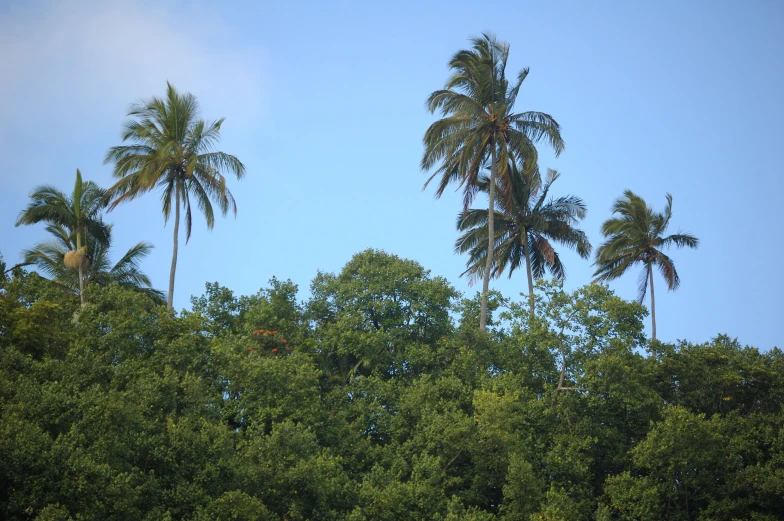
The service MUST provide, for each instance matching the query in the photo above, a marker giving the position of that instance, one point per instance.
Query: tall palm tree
(528, 224)
(636, 236)
(49, 258)
(479, 126)
(172, 149)
(78, 213)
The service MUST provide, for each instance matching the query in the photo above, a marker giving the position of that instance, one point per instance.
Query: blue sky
(325, 105)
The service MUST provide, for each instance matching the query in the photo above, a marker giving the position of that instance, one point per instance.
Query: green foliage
(379, 316)
(49, 257)
(366, 402)
(76, 217)
(79, 212)
(77, 228)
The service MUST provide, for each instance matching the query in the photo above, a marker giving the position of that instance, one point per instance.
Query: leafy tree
(78, 213)
(49, 257)
(172, 149)
(718, 377)
(526, 222)
(377, 312)
(636, 236)
(479, 125)
(680, 462)
(222, 309)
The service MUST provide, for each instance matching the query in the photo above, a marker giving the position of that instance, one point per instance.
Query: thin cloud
(71, 68)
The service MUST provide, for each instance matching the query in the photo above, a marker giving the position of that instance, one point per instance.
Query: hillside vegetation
(377, 399)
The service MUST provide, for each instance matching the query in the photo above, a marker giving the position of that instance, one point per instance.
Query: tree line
(376, 399)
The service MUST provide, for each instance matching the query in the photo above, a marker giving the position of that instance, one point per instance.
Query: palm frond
(642, 283)
(667, 269)
(47, 257)
(681, 240)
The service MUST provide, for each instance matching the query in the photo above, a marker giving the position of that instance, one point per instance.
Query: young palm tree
(49, 258)
(479, 125)
(635, 236)
(172, 149)
(78, 213)
(528, 224)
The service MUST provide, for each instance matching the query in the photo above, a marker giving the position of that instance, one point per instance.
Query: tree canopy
(376, 398)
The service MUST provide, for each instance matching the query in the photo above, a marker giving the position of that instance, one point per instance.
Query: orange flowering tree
(270, 341)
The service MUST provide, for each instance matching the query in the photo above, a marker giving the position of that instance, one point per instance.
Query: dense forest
(378, 398)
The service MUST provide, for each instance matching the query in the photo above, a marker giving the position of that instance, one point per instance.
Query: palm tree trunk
(653, 304)
(81, 270)
(527, 254)
(77, 200)
(490, 242)
(170, 298)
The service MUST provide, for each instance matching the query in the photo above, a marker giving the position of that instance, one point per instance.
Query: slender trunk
(653, 304)
(77, 199)
(490, 242)
(527, 254)
(170, 298)
(81, 270)
(563, 365)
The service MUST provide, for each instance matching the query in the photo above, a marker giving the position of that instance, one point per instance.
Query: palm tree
(78, 213)
(528, 224)
(49, 258)
(479, 125)
(635, 236)
(172, 149)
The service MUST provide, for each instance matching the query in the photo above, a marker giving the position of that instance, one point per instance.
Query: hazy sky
(324, 103)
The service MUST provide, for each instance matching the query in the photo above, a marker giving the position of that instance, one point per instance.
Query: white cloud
(71, 67)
